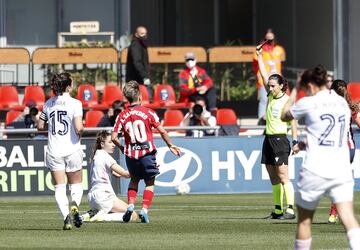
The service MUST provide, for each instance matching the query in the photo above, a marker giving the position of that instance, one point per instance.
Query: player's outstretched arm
(286, 114)
(262, 69)
(116, 141)
(165, 136)
(119, 171)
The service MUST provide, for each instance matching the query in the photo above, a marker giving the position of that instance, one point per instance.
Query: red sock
(147, 198)
(333, 210)
(132, 193)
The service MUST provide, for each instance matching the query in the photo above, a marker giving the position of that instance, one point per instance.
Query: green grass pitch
(218, 221)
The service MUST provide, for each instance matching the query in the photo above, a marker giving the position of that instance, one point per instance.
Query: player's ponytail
(100, 138)
(340, 88)
(59, 82)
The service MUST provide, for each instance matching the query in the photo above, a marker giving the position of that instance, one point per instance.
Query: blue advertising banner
(221, 165)
(208, 165)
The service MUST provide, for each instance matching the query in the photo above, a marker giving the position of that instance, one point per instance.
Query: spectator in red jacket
(194, 82)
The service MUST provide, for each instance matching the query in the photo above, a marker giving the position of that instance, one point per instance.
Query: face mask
(143, 38)
(190, 64)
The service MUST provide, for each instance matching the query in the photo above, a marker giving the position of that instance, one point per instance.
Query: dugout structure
(75, 56)
(167, 55)
(14, 56)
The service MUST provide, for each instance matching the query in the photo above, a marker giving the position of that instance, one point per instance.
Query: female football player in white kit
(104, 204)
(326, 169)
(62, 118)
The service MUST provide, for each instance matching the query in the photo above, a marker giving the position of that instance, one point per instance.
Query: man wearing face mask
(272, 54)
(194, 82)
(137, 64)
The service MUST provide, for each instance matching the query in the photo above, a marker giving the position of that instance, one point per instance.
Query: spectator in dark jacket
(108, 120)
(137, 64)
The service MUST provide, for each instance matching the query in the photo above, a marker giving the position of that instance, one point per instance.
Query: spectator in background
(195, 82)
(330, 79)
(272, 54)
(108, 120)
(199, 116)
(28, 118)
(137, 64)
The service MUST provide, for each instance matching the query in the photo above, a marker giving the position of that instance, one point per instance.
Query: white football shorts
(70, 163)
(312, 187)
(101, 200)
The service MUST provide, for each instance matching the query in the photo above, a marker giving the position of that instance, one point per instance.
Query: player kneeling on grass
(136, 123)
(105, 206)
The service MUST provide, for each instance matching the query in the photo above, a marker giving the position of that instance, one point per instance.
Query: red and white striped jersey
(136, 123)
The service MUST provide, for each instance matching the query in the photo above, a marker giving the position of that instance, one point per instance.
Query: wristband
(294, 142)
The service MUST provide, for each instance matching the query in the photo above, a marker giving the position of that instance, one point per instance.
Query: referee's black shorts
(276, 150)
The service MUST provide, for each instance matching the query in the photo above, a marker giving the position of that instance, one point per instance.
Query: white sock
(131, 205)
(61, 199)
(354, 238)
(76, 192)
(113, 217)
(145, 210)
(303, 244)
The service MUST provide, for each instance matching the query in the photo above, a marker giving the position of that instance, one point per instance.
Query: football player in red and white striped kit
(136, 123)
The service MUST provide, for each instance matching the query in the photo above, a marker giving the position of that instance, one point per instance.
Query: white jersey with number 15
(59, 112)
(327, 117)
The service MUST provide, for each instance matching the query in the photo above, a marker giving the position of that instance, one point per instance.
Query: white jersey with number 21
(327, 117)
(59, 112)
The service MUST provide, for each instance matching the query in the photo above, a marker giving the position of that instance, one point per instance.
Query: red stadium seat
(165, 96)
(11, 115)
(93, 117)
(354, 90)
(226, 116)
(88, 95)
(146, 98)
(300, 95)
(9, 97)
(111, 94)
(173, 117)
(36, 94)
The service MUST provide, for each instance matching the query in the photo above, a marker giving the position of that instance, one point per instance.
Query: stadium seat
(354, 90)
(146, 98)
(111, 94)
(300, 95)
(9, 97)
(36, 94)
(226, 116)
(172, 117)
(165, 96)
(92, 118)
(88, 95)
(11, 115)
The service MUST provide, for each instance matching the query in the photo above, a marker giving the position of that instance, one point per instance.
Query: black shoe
(128, 213)
(67, 223)
(274, 216)
(76, 215)
(288, 216)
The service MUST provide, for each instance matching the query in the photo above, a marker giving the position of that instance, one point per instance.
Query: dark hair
(100, 137)
(305, 78)
(280, 80)
(118, 104)
(131, 91)
(198, 109)
(340, 88)
(59, 82)
(319, 75)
